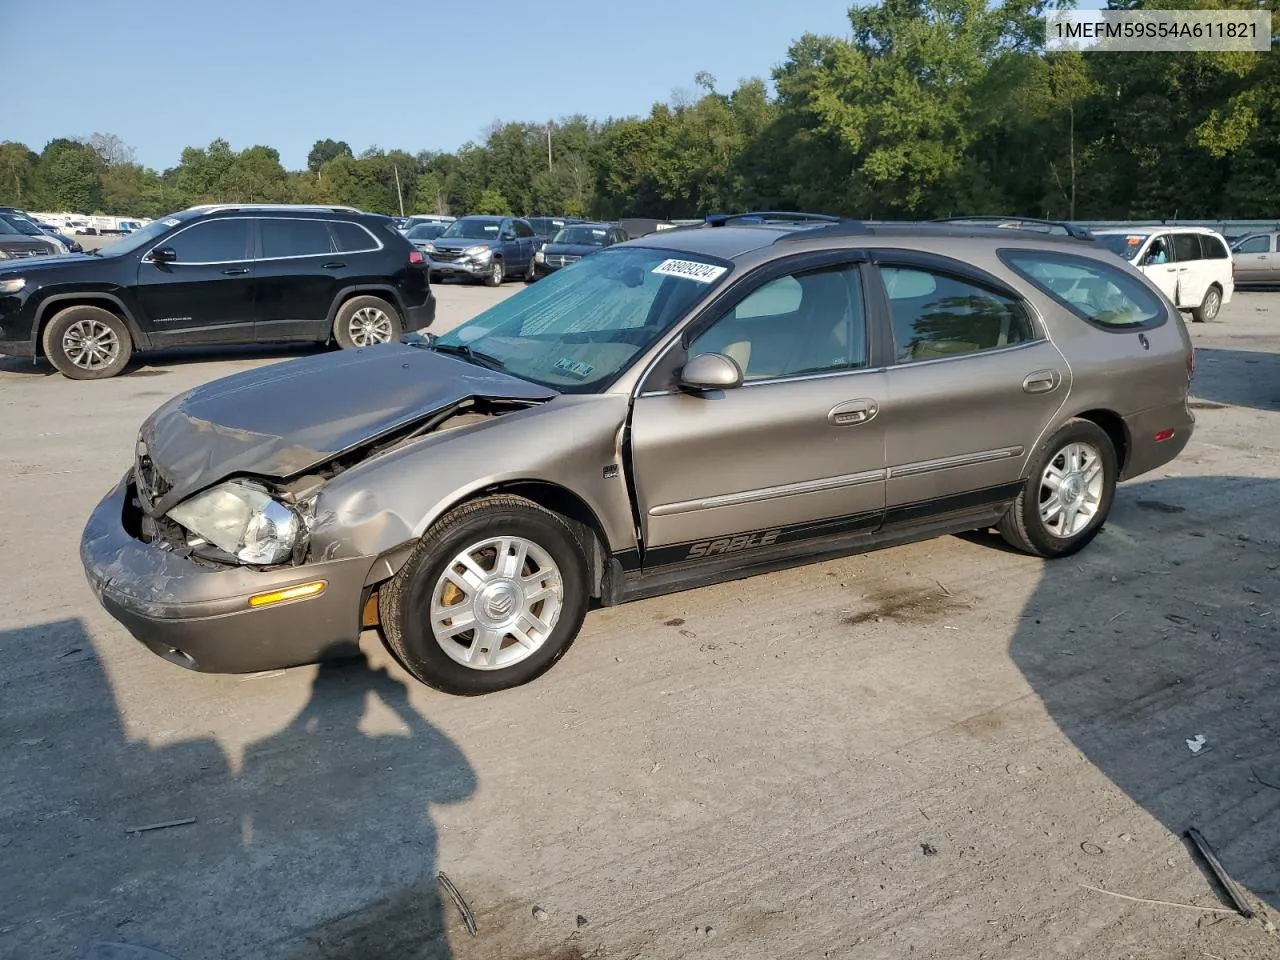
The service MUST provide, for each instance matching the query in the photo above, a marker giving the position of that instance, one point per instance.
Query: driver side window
(799, 324)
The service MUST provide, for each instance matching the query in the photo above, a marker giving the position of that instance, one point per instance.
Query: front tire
(87, 343)
(492, 597)
(495, 276)
(366, 322)
(1067, 495)
(1209, 307)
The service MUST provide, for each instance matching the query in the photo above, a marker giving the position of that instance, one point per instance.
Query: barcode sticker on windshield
(690, 270)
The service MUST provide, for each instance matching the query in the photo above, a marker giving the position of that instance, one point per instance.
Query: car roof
(487, 217)
(1155, 228)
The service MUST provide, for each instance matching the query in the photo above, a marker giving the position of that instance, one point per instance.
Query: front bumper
(197, 614)
(459, 268)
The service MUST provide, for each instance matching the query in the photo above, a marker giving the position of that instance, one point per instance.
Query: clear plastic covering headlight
(479, 251)
(242, 519)
(429, 248)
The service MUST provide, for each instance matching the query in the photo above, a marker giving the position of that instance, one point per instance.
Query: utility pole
(399, 195)
(549, 170)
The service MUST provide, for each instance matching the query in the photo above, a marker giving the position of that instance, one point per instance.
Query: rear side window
(935, 315)
(1186, 246)
(352, 238)
(1105, 296)
(1213, 248)
(523, 229)
(293, 238)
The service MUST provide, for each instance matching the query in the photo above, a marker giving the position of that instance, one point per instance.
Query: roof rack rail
(327, 207)
(769, 216)
(1073, 230)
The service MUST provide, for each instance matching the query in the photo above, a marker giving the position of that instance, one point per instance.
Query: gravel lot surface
(927, 752)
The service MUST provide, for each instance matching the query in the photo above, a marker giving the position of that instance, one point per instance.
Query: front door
(298, 275)
(1256, 260)
(972, 388)
(1157, 263)
(794, 453)
(205, 295)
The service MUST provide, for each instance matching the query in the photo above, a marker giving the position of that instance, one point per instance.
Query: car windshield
(22, 225)
(578, 329)
(140, 238)
(472, 230)
(1125, 245)
(592, 235)
(425, 231)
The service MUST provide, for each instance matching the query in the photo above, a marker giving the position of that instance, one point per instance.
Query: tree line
(927, 108)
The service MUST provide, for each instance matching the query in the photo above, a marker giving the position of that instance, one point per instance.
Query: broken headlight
(243, 519)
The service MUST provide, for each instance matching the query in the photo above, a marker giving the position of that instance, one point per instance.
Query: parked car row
(492, 248)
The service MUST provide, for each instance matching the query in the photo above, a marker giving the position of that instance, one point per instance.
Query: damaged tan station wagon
(701, 404)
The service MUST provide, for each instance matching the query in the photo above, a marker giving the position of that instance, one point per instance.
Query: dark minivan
(217, 275)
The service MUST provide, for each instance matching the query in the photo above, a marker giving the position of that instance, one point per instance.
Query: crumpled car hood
(282, 420)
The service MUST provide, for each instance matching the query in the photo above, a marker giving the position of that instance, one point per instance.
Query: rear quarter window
(1213, 248)
(352, 238)
(1104, 296)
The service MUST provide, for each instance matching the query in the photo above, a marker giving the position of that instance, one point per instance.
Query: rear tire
(531, 272)
(1067, 495)
(366, 322)
(1209, 307)
(495, 276)
(522, 619)
(87, 343)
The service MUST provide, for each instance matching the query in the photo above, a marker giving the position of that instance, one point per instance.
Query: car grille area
(446, 255)
(561, 259)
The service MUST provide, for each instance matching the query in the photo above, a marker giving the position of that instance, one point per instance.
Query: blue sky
(426, 75)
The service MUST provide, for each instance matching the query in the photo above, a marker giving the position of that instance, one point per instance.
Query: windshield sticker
(690, 270)
(1134, 241)
(576, 367)
(171, 222)
(597, 233)
(491, 228)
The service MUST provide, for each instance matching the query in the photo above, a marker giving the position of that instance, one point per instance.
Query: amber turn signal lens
(300, 592)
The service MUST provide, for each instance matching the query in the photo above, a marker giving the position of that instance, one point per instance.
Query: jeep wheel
(531, 271)
(1067, 495)
(1209, 307)
(87, 343)
(492, 597)
(366, 322)
(495, 275)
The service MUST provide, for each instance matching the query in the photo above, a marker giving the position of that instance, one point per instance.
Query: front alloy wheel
(493, 595)
(496, 603)
(369, 326)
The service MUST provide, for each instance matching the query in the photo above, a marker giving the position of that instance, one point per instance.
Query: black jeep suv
(212, 275)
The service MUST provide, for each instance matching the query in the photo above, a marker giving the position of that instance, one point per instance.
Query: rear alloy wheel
(366, 322)
(1067, 495)
(492, 597)
(531, 272)
(495, 276)
(87, 343)
(1209, 307)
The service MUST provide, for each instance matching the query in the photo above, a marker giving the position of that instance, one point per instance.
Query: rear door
(298, 274)
(1194, 272)
(974, 383)
(1156, 261)
(206, 295)
(795, 453)
(528, 242)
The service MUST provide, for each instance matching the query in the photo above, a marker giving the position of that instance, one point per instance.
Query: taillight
(415, 256)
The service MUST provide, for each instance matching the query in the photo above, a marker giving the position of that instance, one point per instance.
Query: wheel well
(1113, 425)
(55, 308)
(581, 519)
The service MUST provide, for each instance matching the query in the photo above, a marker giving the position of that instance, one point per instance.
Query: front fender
(574, 442)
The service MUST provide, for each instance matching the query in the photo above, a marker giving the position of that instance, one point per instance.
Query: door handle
(1171, 270)
(852, 412)
(1041, 381)
(235, 272)
(333, 265)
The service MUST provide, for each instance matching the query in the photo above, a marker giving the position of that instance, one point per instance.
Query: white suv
(1192, 265)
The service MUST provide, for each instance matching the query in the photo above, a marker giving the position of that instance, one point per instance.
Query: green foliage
(926, 108)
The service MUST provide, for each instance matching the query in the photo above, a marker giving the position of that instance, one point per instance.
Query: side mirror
(162, 255)
(710, 371)
(509, 235)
